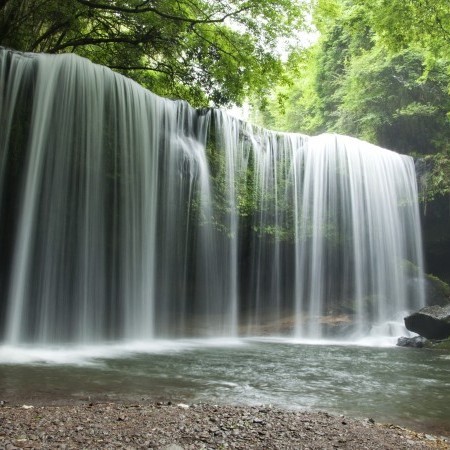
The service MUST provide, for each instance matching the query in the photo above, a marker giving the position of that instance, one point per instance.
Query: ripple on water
(405, 387)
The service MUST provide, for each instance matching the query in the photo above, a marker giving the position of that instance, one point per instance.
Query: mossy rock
(438, 345)
(437, 291)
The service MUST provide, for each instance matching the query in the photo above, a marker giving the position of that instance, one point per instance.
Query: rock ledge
(431, 322)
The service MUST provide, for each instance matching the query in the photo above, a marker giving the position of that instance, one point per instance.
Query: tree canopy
(403, 23)
(359, 80)
(206, 52)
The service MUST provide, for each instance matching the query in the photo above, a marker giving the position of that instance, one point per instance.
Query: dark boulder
(416, 341)
(431, 322)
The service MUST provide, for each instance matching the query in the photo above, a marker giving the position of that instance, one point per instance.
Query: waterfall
(124, 215)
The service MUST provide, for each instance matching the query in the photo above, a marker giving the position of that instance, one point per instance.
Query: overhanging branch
(102, 40)
(144, 8)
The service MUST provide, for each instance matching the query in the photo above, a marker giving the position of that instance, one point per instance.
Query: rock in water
(432, 322)
(416, 341)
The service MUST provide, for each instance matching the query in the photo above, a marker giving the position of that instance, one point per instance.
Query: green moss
(438, 292)
(438, 345)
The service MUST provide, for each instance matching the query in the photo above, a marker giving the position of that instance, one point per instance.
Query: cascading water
(127, 216)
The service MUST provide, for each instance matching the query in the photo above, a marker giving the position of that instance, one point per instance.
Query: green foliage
(202, 51)
(325, 14)
(352, 81)
(295, 106)
(243, 195)
(386, 100)
(400, 24)
(441, 291)
(435, 180)
(438, 345)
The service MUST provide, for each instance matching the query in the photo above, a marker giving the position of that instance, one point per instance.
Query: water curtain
(124, 215)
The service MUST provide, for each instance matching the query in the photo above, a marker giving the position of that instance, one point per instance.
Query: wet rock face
(431, 322)
(437, 291)
(416, 341)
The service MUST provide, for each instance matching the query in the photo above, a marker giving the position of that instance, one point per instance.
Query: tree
(202, 51)
(387, 100)
(294, 105)
(403, 23)
(351, 82)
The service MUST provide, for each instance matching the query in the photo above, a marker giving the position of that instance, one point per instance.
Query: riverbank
(180, 426)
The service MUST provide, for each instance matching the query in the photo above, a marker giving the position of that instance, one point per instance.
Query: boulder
(437, 292)
(431, 322)
(416, 341)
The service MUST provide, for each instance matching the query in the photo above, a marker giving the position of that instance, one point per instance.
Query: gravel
(167, 426)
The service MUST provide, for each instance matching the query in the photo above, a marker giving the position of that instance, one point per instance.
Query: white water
(125, 216)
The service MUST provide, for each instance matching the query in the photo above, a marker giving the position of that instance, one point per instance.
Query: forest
(378, 71)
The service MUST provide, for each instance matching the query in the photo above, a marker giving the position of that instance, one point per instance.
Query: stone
(431, 322)
(172, 447)
(437, 292)
(415, 342)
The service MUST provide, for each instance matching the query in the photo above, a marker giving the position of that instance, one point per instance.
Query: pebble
(162, 427)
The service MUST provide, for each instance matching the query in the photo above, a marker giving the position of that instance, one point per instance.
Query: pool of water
(409, 387)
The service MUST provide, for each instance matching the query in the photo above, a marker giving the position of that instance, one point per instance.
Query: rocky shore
(166, 426)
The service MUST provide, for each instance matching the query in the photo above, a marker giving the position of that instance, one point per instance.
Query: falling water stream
(127, 216)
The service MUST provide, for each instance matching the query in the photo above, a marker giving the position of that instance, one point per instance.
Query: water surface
(409, 387)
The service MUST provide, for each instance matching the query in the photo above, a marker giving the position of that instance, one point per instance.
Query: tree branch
(212, 44)
(438, 19)
(3, 3)
(102, 40)
(143, 9)
(51, 31)
(127, 68)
